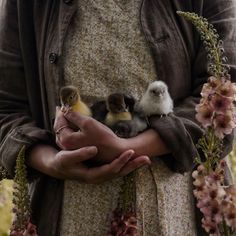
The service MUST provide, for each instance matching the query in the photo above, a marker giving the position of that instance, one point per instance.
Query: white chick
(156, 100)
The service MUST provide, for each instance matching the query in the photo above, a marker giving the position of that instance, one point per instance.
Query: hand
(69, 164)
(60, 124)
(92, 133)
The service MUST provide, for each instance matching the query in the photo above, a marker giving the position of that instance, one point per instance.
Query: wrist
(41, 158)
(147, 143)
(123, 144)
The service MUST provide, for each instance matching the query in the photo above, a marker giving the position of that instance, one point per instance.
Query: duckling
(130, 128)
(99, 111)
(70, 99)
(121, 116)
(118, 109)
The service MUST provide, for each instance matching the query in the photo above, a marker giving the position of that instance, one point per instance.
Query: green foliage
(21, 198)
(212, 44)
(127, 198)
(3, 173)
(211, 146)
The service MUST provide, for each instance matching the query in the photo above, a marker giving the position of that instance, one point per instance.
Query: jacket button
(52, 57)
(67, 1)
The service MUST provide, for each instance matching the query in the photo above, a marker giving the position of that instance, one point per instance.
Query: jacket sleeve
(16, 125)
(181, 131)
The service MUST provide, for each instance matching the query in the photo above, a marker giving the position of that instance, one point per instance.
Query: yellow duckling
(70, 99)
(118, 110)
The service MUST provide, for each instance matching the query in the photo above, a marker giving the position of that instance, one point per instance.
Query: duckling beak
(65, 107)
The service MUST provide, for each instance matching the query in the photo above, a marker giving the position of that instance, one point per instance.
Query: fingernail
(92, 150)
(131, 153)
(147, 161)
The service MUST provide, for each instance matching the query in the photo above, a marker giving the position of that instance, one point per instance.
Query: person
(102, 47)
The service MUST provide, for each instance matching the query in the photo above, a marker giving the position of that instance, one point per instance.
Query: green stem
(225, 229)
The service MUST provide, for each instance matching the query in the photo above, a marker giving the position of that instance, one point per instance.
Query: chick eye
(71, 97)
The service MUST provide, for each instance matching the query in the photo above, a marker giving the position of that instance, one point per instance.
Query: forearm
(147, 143)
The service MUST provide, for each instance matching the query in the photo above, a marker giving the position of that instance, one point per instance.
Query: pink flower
(207, 90)
(214, 82)
(216, 213)
(223, 124)
(202, 197)
(230, 216)
(220, 104)
(30, 230)
(195, 174)
(214, 178)
(204, 115)
(123, 224)
(231, 191)
(198, 182)
(211, 86)
(217, 98)
(210, 226)
(202, 170)
(206, 211)
(216, 201)
(226, 88)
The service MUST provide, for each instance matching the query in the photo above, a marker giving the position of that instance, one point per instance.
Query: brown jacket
(32, 34)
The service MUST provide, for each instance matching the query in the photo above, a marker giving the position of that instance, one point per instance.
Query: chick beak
(160, 93)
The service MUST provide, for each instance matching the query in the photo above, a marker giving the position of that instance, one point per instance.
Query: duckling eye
(71, 97)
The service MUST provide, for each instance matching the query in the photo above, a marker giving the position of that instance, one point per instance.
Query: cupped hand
(69, 165)
(91, 133)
